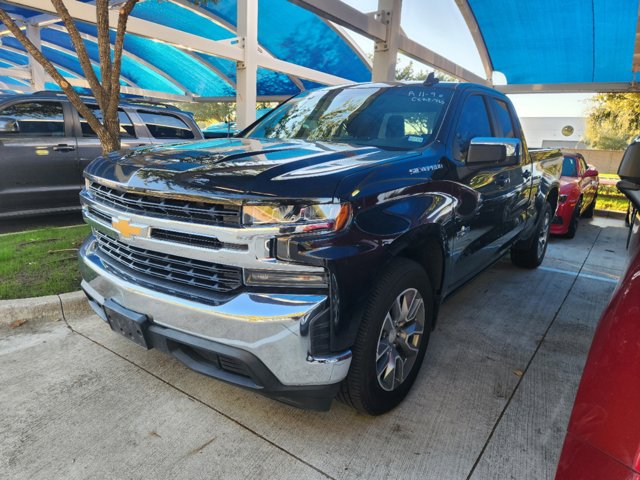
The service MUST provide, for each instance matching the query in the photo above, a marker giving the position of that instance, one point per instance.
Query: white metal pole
(385, 55)
(247, 70)
(38, 75)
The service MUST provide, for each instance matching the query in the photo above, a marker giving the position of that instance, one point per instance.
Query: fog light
(271, 278)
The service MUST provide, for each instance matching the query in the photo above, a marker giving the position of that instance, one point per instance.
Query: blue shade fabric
(551, 41)
(303, 39)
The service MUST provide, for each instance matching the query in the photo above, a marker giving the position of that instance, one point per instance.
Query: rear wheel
(392, 339)
(588, 213)
(531, 255)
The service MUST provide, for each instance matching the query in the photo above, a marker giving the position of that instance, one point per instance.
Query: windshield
(569, 167)
(404, 117)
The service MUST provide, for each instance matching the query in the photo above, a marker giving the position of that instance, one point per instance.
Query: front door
(38, 158)
(492, 213)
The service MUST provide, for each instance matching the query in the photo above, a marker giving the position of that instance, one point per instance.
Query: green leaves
(614, 120)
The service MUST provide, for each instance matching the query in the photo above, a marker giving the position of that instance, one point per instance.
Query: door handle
(526, 174)
(63, 147)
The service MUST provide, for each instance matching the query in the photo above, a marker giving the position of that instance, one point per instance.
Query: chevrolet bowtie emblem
(125, 228)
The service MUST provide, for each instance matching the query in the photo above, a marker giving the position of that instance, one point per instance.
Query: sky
(438, 25)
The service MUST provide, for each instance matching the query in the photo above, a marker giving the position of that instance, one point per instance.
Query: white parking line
(612, 279)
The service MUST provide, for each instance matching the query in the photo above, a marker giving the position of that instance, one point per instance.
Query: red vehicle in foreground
(578, 193)
(603, 437)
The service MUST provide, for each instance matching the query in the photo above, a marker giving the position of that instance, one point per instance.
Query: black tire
(532, 253)
(575, 220)
(588, 213)
(362, 389)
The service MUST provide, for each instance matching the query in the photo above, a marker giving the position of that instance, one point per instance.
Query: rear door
(38, 159)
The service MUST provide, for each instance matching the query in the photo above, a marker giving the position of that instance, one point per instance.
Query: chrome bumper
(265, 325)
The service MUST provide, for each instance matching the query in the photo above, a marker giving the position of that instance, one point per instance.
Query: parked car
(603, 436)
(45, 145)
(229, 128)
(578, 194)
(310, 255)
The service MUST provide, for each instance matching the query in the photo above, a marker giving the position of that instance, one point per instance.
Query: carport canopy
(248, 50)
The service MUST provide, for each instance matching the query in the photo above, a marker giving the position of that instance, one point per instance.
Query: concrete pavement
(491, 402)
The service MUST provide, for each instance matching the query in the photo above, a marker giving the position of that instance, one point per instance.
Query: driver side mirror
(9, 125)
(591, 172)
(499, 151)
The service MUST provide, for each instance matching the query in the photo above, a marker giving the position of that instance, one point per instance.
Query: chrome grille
(185, 210)
(171, 268)
(195, 240)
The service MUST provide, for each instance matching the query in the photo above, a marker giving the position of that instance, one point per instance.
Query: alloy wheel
(400, 339)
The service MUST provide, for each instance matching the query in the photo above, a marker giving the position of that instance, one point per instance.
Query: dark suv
(45, 144)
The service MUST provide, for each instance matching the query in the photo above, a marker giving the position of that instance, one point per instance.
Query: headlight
(306, 218)
(562, 198)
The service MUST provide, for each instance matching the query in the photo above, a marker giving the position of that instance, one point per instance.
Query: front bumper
(262, 333)
(562, 219)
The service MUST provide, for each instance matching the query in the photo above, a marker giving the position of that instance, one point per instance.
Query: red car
(578, 192)
(603, 437)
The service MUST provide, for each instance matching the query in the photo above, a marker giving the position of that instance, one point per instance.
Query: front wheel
(575, 220)
(392, 339)
(588, 213)
(532, 254)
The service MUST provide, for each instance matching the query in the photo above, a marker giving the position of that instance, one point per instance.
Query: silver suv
(45, 144)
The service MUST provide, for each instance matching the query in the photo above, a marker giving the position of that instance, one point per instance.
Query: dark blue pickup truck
(307, 258)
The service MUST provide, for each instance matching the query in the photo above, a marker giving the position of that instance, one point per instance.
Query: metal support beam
(372, 27)
(184, 40)
(345, 15)
(422, 54)
(65, 71)
(212, 17)
(135, 58)
(611, 87)
(259, 98)
(385, 55)
(476, 34)
(247, 69)
(38, 75)
(16, 72)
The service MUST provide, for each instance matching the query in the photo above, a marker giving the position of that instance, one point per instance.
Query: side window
(161, 125)
(473, 122)
(583, 166)
(126, 126)
(569, 167)
(504, 122)
(35, 119)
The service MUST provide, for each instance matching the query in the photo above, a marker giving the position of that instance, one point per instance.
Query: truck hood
(242, 166)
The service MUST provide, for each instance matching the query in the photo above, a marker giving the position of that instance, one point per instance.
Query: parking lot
(492, 400)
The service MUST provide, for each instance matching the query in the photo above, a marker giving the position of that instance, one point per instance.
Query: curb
(36, 310)
(610, 214)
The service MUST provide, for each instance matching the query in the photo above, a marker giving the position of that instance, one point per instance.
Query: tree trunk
(110, 143)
